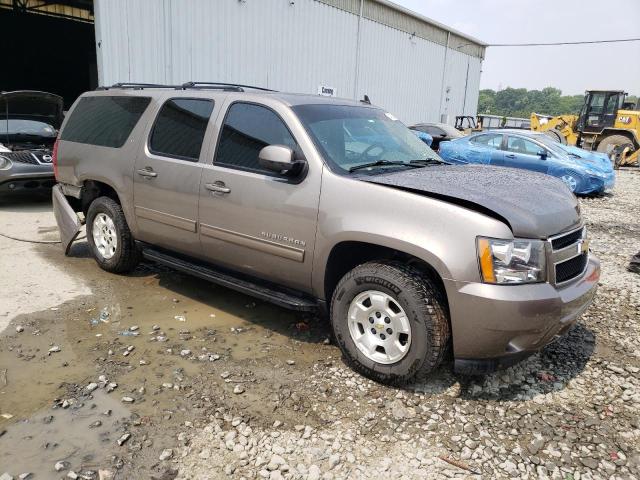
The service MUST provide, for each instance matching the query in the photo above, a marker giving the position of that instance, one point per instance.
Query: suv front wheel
(109, 237)
(390, 321)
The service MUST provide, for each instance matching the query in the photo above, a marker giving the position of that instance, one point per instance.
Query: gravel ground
(569, 412)
(160, 375)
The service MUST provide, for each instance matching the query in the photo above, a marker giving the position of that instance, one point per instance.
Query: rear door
(251, 219)
(167, 175)
(524, 153)
(485, 148)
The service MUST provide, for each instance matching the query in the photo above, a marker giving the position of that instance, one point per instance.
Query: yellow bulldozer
(607, 123)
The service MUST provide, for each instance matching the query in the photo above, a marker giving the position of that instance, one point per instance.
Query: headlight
(512, 261)
(5, 163)
(596, 173)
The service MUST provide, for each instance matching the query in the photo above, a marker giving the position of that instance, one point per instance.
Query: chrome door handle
(217, 187)
(147, 172)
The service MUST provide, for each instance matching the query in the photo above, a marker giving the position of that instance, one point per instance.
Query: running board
(253, 288)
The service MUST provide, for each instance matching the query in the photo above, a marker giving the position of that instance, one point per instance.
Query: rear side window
(104, 121)
(247, 129)
(490, 140)
(180, 127)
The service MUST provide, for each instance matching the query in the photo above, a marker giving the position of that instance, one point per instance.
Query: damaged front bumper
(67, 219)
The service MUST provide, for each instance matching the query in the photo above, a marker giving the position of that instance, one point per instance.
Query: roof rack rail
(238, 87)
(135, 86)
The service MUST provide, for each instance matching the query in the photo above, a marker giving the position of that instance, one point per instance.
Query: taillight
(54, 159)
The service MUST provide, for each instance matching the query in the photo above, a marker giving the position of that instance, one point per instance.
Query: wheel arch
(348, 254)
(92, 189)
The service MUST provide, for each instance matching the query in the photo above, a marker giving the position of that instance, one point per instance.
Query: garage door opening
(52, 47)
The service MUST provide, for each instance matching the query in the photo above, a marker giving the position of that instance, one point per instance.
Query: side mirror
(278, 158)
(542, 154)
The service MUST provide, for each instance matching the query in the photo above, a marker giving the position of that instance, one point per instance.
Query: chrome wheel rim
(570, 182)
(379, 327)
(105, 236)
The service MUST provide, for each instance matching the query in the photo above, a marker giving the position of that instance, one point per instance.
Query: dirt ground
(160, 375)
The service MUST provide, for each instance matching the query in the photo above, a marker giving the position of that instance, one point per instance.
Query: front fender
(435, 231)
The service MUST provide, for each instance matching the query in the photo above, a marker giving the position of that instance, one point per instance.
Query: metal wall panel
(290, 47)
(399, 73)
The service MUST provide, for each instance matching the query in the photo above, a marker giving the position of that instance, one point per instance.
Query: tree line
(520, 102)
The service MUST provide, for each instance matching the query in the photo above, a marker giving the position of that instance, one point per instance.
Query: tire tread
(433, 313)
(129, 253)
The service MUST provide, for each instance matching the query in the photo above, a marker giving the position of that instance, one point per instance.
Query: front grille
(566, 240)
(22, 157)
(571, 268)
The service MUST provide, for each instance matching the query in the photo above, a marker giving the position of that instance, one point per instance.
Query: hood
(32, 105)
(534, 205)
(597, 160)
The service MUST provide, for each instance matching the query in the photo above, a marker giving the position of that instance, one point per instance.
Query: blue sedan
(585, 173)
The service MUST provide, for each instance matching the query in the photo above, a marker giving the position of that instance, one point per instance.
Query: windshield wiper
(428, 161)
(381, 163)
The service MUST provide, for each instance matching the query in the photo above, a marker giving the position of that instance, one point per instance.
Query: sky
(574, 68)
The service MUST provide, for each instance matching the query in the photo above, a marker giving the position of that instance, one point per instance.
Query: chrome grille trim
(568, 252)
(30, 157)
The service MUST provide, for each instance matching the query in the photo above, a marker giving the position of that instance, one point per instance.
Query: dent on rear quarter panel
(113, 166)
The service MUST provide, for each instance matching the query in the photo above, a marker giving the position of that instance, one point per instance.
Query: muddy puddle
(75, 435)
(163, 349)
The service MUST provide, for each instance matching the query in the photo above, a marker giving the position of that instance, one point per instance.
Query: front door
(167, 175)
(253, 220)
(523, 153)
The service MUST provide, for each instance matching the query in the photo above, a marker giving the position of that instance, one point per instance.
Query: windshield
(350, 136)
(26, 127)
(551, 144)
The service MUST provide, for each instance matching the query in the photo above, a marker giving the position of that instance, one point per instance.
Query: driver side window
(247, 129)
(523, 146)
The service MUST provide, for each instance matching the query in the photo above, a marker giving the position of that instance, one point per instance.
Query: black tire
(556, 135)
(608, 144)
(126, 255)
(424, 305)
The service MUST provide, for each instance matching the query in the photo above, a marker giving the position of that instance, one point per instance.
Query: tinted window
(248, 129)
(520, 145)
(491, 140)
(180, 127)
(104, 121)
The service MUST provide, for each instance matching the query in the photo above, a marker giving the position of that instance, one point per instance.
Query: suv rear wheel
(109, 237)
(390, 322)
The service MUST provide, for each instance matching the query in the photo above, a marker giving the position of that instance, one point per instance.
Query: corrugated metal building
(414, 67)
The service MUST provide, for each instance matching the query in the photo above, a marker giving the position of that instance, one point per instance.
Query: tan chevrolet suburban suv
(321, 203)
